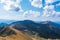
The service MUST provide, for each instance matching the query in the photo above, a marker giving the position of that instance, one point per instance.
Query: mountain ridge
(10, 33)
(44, 30)
(41, 29)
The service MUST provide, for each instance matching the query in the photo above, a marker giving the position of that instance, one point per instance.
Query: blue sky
(37, 10)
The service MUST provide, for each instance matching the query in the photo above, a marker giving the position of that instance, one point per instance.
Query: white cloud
(36, 3)
(57, 14)
(11, 16)
(11, 4)
(6, 7)
(58, 4)
(31, 14)
(50, 1)
(48, 11)
(2, 1)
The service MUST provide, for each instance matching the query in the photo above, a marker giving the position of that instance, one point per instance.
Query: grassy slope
(19, 36)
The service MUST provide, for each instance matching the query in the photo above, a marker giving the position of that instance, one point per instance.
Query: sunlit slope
(13, 36)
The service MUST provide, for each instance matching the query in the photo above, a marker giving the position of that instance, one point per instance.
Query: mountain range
(44, 30)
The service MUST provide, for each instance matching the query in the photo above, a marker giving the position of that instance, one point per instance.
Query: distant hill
(6, 21)
(9, 33)
(46, 29)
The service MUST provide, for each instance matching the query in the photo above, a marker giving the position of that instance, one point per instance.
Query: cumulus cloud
(14, 5)
(11, 16)
(58, 4)
(31, 14)
(57, 14)
(39, 4)
(36, 3)
(11, 4)
(48, 11)
(50, 1)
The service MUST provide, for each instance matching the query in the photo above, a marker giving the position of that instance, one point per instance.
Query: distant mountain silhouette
(46, 29)
(6, 21)
(3, 24)
(51, 23)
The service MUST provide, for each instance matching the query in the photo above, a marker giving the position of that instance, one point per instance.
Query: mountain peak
(46, 22)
